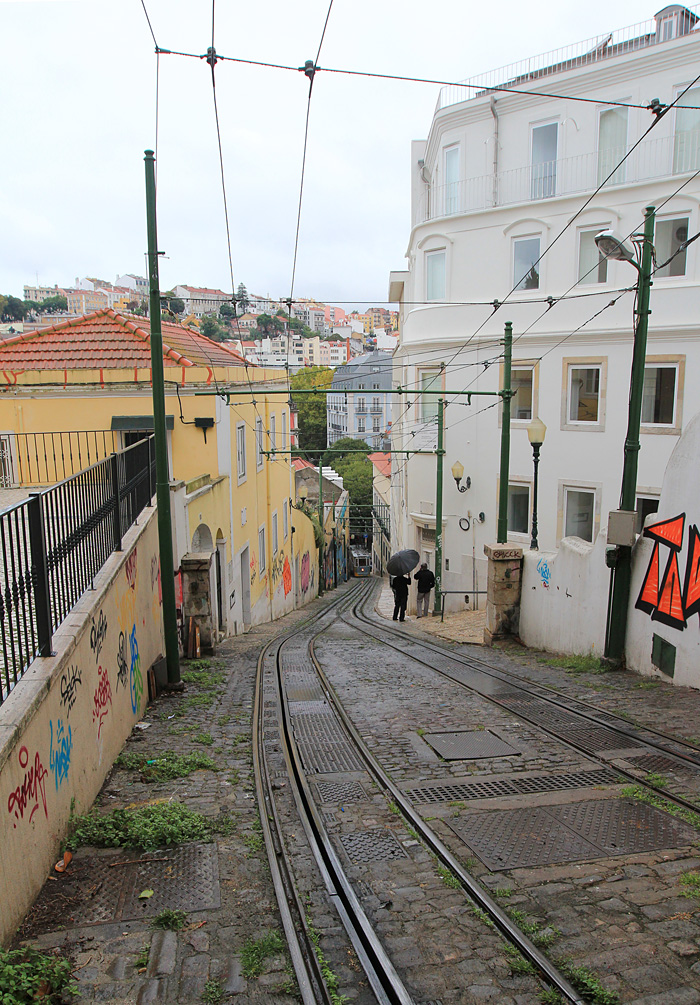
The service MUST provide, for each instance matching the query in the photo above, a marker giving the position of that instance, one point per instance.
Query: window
(435, 275)
(670, 235)
(275, 541)
(451, 180)
(361, 405)
(429, 380)
(262, 562)
(240, 451)
(584, 394)
(375, 423)
(686, 143)
(659, 395)
(544, 160)
(375, 405)
(526, 252)
(518, 508)
(579, 510)
(284, 428)
(612, 144)
(592, 263)
(273, 433)
(645, 506)
(259, 443)
(361, 425)
(285, 520)
(521, 402)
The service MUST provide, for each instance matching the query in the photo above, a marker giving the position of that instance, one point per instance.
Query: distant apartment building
(200, 300)
(334, 316)
(38, 293)
(357, 404)
(86, 301)
(312, 316)
(138, 284)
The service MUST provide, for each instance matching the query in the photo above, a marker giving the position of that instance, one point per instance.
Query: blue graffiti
(59, 758)
(545, 572)
(135, 676)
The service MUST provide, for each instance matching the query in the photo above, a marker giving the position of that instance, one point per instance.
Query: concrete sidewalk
(463, 626)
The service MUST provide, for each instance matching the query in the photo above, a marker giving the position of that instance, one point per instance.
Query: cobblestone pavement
(626, 918)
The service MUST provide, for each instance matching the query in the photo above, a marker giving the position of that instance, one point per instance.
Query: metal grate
(468, 745)
(658, 762)
(600, 828)
(341, 792)
(590, 739)
(491, 788)
(322, 744)
(303, 706)
(371, 846)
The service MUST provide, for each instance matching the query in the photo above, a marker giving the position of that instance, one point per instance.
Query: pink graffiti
(130, 569)
(155, 576)
(31, 788)
(305, 567)
(102, 699)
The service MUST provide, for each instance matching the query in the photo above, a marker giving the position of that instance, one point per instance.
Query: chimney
(347, 349)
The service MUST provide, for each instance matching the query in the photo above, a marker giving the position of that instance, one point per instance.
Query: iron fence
(53, 544)
(46, 458)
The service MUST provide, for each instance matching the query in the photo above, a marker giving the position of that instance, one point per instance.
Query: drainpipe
(495, 150)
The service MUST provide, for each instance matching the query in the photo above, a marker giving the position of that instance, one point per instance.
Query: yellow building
(77, 391)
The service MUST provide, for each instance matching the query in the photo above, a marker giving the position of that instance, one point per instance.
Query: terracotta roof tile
(382, 463)
(109, 340)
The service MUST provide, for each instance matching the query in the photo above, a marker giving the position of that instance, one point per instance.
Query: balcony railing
(654, 158)
(53, 544)
(33, 459)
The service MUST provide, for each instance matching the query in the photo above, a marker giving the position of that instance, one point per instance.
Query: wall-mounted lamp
(535, 433)
(302, 496)
(457, 474)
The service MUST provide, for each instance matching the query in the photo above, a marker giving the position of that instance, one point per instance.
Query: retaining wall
(66, 721)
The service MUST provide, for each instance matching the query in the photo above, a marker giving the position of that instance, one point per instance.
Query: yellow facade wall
(305, 559)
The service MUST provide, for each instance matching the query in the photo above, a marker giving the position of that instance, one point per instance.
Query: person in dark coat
(426, 581)
(400, 587)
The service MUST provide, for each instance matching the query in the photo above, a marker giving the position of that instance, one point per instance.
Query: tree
(312, 408)
(177, 305)
(242, 298)
(210, 327)
(52, 305)
(227, 311)
(13, 309)
(348, 447)
(270, 325)
(357, 472)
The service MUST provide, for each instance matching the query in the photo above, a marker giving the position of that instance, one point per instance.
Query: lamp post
(535, 433)
(611, 245)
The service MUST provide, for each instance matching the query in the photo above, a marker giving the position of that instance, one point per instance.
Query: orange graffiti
(286, 576)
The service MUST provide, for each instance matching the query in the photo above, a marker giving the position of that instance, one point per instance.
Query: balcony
(667, 156)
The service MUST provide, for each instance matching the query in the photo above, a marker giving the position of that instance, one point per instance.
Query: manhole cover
(305, 706)
(340, 792)
(371, 846)
(658, 762)
(468, 745)
(322, 744)
(105, 888)
(569, 726)
(311, 693)
(493, 787)
(543, 835)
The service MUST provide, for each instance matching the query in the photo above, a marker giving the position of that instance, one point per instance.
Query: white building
(357, 404)
(201, 300)
(494, 186)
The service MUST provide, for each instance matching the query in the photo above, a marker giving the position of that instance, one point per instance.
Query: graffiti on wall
(663, 597)
(276, 567)
(131, 570)
(59, 753)
(101, 700)
(98, 633)
(545, 572)
(126, 615)
(70, 681)
(307, 573)
(135, 676)
(253, 565)
(286, 577)
(31, 789)
(122, 666)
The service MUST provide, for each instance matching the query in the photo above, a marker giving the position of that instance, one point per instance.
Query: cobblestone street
(601, 903)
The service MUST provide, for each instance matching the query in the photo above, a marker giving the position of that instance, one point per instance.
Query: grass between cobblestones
(165, 766)
(148, 827)
(329, 978)
(577, 664)
(643, 796)
(27, 975)
(256, 951)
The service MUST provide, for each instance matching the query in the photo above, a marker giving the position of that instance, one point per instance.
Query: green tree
(52, 305)
(357, 472)
(227, 311)
(13, 309)
(210, 327)
(176, 305)
(242, 298)
(349, 447)
(312, 408)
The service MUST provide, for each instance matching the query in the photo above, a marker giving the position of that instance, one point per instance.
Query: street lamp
(621, 563)
(457, 473)
(302, 496)
(535, 433)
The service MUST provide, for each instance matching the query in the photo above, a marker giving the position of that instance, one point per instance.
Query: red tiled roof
(109, 340)
(299, 463)
(382, 463)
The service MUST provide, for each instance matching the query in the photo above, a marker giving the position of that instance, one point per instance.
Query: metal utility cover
(571, 832)
(322, 744)
(470, 745)
(371, 846)
(491, 788)
(341, 792)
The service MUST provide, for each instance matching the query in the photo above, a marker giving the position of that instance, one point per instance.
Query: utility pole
(437, 608)
(320, 520)
(165, 538)
(622, 571)
(502, 535)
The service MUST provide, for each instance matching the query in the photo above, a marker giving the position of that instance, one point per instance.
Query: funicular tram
(360, 561)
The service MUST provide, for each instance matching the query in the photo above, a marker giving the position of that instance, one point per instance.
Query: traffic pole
(165, 535)
(437, 608)
(502, 534)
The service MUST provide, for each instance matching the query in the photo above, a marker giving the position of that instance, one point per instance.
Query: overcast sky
(77, 110)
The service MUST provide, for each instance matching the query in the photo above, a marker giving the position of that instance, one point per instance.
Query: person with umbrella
(398, 565)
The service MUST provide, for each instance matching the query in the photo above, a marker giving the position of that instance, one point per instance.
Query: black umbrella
(402, 562)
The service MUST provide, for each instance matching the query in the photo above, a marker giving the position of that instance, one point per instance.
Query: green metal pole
(323, 532)
(165, 538)
(617, 620)
(502, 535)
(438, 508)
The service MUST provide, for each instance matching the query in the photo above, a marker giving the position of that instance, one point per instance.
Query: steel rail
(549, 973)
(384, 981)
(494, 673)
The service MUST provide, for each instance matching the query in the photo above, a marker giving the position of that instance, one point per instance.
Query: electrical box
(622, 524)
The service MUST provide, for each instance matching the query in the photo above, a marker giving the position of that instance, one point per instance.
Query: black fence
(54, 543)
(46, 458)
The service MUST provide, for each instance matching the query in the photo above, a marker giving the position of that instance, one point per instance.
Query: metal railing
(46, 458)
(570, 57)
(53, 544)
(667, 156)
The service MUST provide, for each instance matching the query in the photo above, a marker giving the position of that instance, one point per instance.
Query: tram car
(360, 562)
